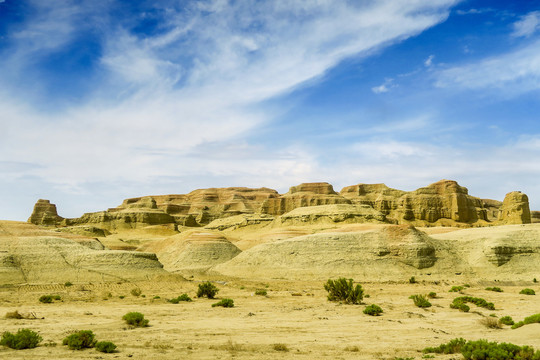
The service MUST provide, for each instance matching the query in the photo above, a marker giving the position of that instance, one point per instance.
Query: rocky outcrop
(444, 203)
(307, 194)
(331, 214)
(515, 209)
(535, 216)
(44, 213)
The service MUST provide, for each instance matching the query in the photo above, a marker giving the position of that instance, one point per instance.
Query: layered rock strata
(444, 203)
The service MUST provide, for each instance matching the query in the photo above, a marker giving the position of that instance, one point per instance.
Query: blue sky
(105, 100)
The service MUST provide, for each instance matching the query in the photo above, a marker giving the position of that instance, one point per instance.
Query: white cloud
(429, 61)
(511, 73)
(527, 25)
(385, 87)
(198, 82)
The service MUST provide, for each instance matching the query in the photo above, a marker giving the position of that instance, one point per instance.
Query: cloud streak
(199, 80)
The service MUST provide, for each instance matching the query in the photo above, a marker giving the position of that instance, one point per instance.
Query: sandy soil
(294, 314)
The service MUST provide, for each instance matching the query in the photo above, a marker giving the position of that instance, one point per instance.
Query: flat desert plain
(293, 321)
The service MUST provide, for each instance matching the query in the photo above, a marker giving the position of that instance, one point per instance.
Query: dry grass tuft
(280, 347)
(491, 323)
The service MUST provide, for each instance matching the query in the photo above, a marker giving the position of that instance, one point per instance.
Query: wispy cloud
(511, 73)
(197, 81)
(384, 87)
(429, 61)
(527, 25)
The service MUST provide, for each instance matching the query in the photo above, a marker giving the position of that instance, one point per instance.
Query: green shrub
(373, 310)
(412, 280)
(261, 292)
(528, 320)
(228, 303)
(207, 289)
(456, 304)
(136, 292)
(46, 299)
(80, 340)
(496, 289)
(135, 319)
(453, 347)
(22, 339)
(345, 291)
(183, 297)
(507, 320)
(420, 301)
(68, 284)
(105, 347)
(432, 295)
(456, 289)
(527, 292)
(484, 350)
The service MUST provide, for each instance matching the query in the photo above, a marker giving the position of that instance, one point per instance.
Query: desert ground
(295, 314)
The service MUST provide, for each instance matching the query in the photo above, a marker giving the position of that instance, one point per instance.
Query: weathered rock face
(442, 203)
(44, 213)
(329, 214)
(308, 194)
(535, 216)
(515, 209)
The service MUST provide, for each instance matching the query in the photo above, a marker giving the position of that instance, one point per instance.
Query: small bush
(412, 280)
(46, 299)
(432, 295)
(207, 289)
(528, 320)
(496, 289)
(453, 347)
(527, 292)
(261, 292)
(183, 297)
(121, 297)
(507, 320)
(420, 301)
(14, 315)
(68, 284)
(456, 304)
(484, 350)
(227, 303)
(373, 310)
(105, 347)
(136, 292)
(80, 340)
(280, 347)
(345, 291)
(22, 339)
(491, 323)
(456, 289)
(135, 319)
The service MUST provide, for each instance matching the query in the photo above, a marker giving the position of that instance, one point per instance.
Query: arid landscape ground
(106, 266)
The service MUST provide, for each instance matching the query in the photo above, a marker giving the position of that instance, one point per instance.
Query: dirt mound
(373, 253)
(193, 250)
(32, 255)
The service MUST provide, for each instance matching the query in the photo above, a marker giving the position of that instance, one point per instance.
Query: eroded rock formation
(444, 203)
(44, 213)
